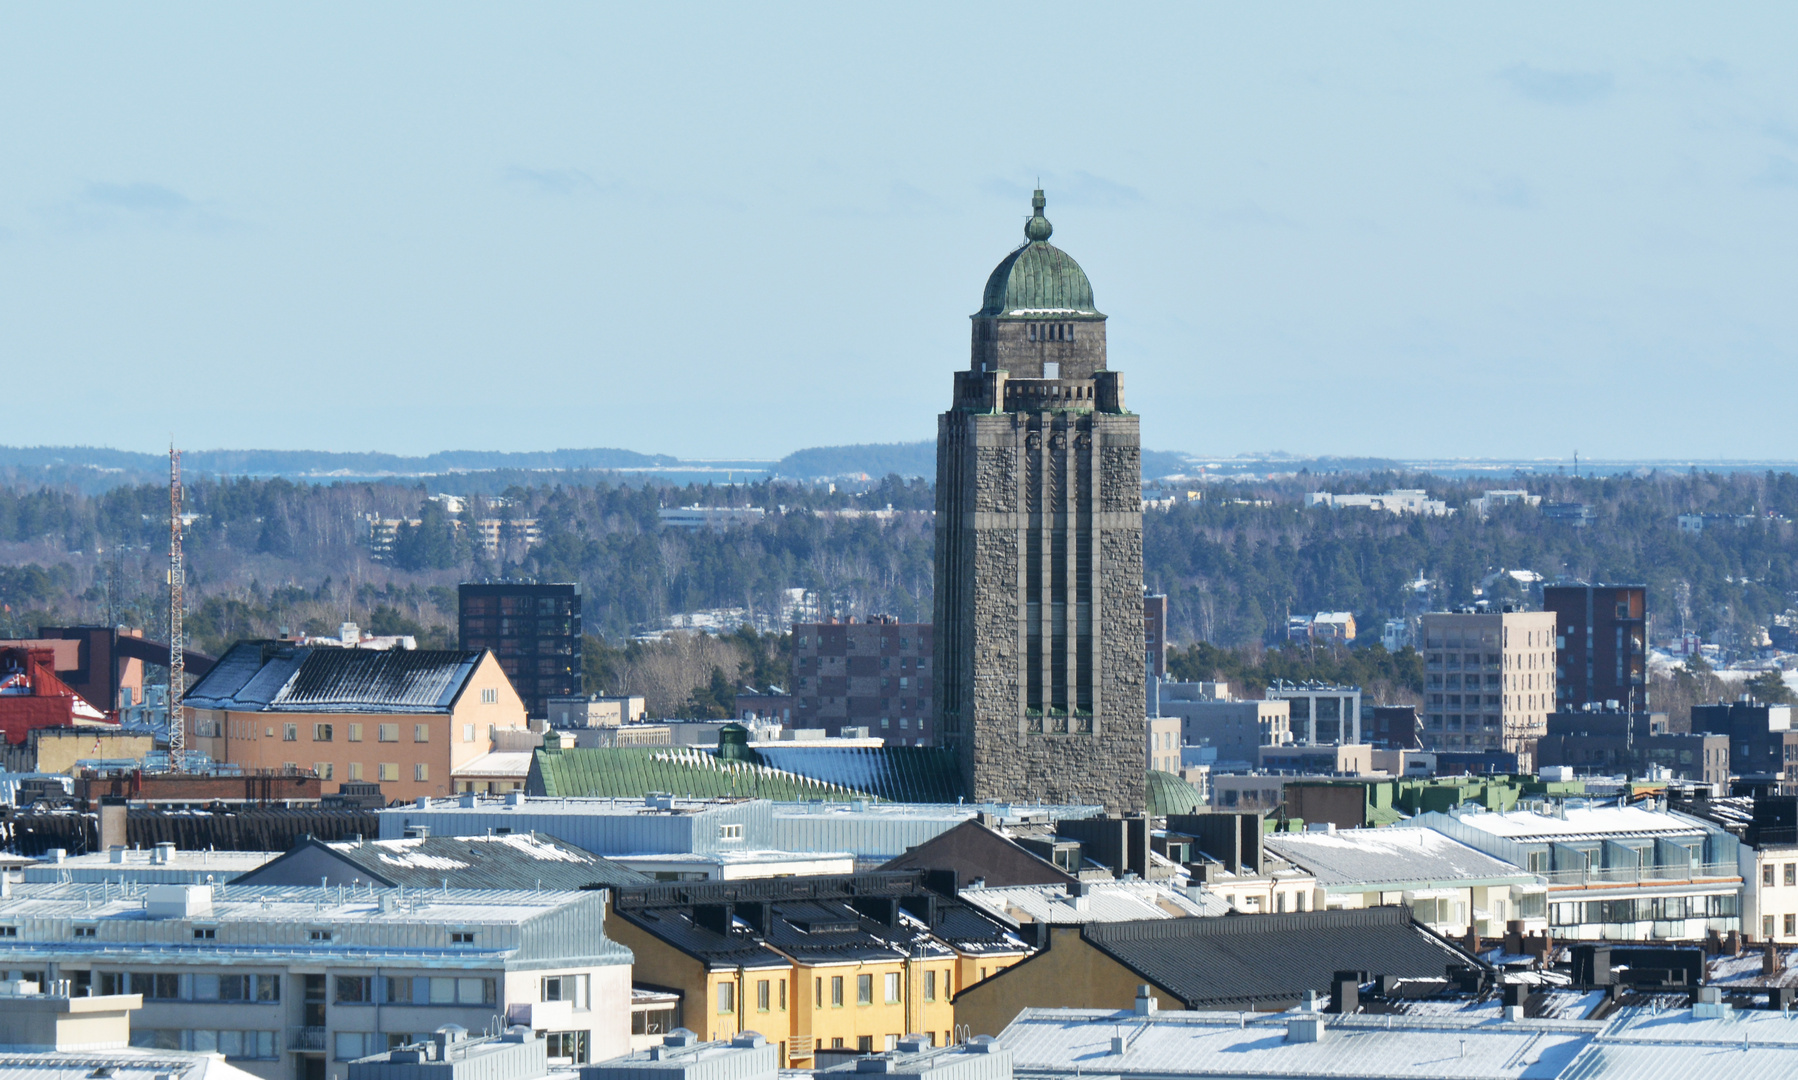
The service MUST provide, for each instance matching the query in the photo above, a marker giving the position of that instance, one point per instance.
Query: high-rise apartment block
(534, 630)
(1039, 631)
(875, 674)
(1489, 680)
(1601, 642)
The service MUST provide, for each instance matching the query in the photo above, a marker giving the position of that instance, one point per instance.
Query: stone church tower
(1039, 618)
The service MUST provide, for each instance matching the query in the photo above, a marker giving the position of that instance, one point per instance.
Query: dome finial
(1038, 227)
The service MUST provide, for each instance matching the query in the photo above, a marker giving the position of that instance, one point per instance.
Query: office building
(1601, 644)
(403, 720)
(1321, 714)
(285, 981)
(1489, 681)
(1608, 742)
(877, 675)
(534, 630)
(1763, 746)
(1039, 646)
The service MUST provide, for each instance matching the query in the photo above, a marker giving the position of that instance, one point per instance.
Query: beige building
(407, 720)
(1770, 892)
(1164, 743)
(1489, 681)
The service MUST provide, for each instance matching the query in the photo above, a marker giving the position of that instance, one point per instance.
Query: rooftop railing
(1631, 875)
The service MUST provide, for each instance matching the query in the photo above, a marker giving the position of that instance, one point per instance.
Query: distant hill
(875, 459)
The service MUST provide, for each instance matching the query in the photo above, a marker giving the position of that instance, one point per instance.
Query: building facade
(1321, 714)
(1608, 743)
(876, 674)
(1763, 746)
(534, 630)
(1489, 681)
(1039, 643)
(1601, 644)
(286, 982)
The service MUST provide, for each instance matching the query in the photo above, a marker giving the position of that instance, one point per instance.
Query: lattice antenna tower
(177, 607)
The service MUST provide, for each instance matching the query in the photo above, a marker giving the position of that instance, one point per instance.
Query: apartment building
(1209, 716)
(284, 982)
(535, 631)
(1489, 681)
(405, 720)
(873, 674)
(1614, 873)
(1601, 644)
(820, 964)
(1321, 714)
(1763, 746)
(1610, 742)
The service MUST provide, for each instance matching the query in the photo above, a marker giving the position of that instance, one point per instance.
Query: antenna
(177, 605)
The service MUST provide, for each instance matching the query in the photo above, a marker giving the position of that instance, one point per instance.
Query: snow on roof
(1582, 822)
(1419, 857)
(498, 763)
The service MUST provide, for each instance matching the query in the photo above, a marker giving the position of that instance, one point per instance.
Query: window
(1791, 925)
(1767, 875)
(205, 933)
(355, 989)
(388, 732)
(468, 733)
(654, 1021)
(1766, 926)
(865, 1043)
(892, 988)
(836, 991)
(323, 769)
(355, 770)
(730, 832)
(350, 1045)
(321, 732)
(836, 1042)
(569, 988)
(864, 989)
(421, 772)
(761, 995)
(727, 998)
(85, 931)
(355, 732)
(421, 733)
(783, 995)
(1792, 873)
(390, 771)
(818, 991)
(160, 986)
(290, 733)
(320, 935)
(567, 1046)
(462, 937)
(490, 696)
(930, 986)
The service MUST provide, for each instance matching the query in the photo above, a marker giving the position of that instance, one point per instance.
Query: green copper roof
(1168, 794)
(892, 773)
(1038, 279)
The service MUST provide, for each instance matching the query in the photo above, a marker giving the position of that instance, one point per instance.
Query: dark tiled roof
(1240, 960)
(971, 850)
(515, 861)
(262, 676)
(675, 926)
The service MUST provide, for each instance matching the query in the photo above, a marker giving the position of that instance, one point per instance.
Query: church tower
(1039, 623)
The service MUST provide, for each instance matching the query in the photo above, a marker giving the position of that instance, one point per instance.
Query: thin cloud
(101, 206)
(565, 183)
(1558, 87)
(1511, 192)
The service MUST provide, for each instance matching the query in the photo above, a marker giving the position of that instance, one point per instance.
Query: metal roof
(514, 861)
(257, 676)
(121, 1063)
(1099, 901)
(1357, 860)
(1271, 958)
(636, 771)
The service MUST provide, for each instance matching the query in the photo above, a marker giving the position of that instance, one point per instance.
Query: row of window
(1791, 926)
(421, 733)
(885, 642)
(891, 983)
(886, 662)
(350, 989)
(516, 605)
(1644, 909)
(385, 771)
(1791, 875)
(1051, 331)
(254, 1045)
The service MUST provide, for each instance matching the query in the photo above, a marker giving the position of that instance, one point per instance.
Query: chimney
(1145, 1005)
(1345, 992)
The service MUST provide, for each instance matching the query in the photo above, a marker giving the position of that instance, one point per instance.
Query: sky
(738, 230)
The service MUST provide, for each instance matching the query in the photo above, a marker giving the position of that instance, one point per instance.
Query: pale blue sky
(737, 230)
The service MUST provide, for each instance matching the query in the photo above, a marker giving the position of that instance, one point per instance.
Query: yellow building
(850, 964)
(404, 719)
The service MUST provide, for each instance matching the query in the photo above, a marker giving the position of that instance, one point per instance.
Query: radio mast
(177, 605)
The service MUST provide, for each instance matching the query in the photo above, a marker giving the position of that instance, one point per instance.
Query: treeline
(1386, 678)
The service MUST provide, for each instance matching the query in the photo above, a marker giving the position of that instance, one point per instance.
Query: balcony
(306, 1038)
(1640, 875)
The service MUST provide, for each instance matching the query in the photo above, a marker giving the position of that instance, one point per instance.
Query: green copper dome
(1038, 279)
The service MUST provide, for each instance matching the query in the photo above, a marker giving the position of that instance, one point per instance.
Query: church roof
(1038, 280)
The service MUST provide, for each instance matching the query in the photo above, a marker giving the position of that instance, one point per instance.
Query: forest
(270, 554)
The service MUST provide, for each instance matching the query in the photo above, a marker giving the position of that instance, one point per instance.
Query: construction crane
(177, 606)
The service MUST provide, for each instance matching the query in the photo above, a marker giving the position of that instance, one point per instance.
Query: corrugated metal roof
(1273, 958)
(265, 677)
(905, 774)
(636, 771)
(1101, 901)
(1392, 858)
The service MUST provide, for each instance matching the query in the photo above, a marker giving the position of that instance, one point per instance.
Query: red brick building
(875, 674)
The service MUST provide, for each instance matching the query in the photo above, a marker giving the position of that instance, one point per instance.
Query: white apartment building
(1770, 892)
(1489, 681)
(287, 982)
(1164, 742)
(1398, 501)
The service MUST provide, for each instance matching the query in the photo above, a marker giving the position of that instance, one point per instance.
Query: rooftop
(1098, 901)
(265, 676)
(1038, 279)
(1575, 822)
(511, 861)
(1409, 857)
